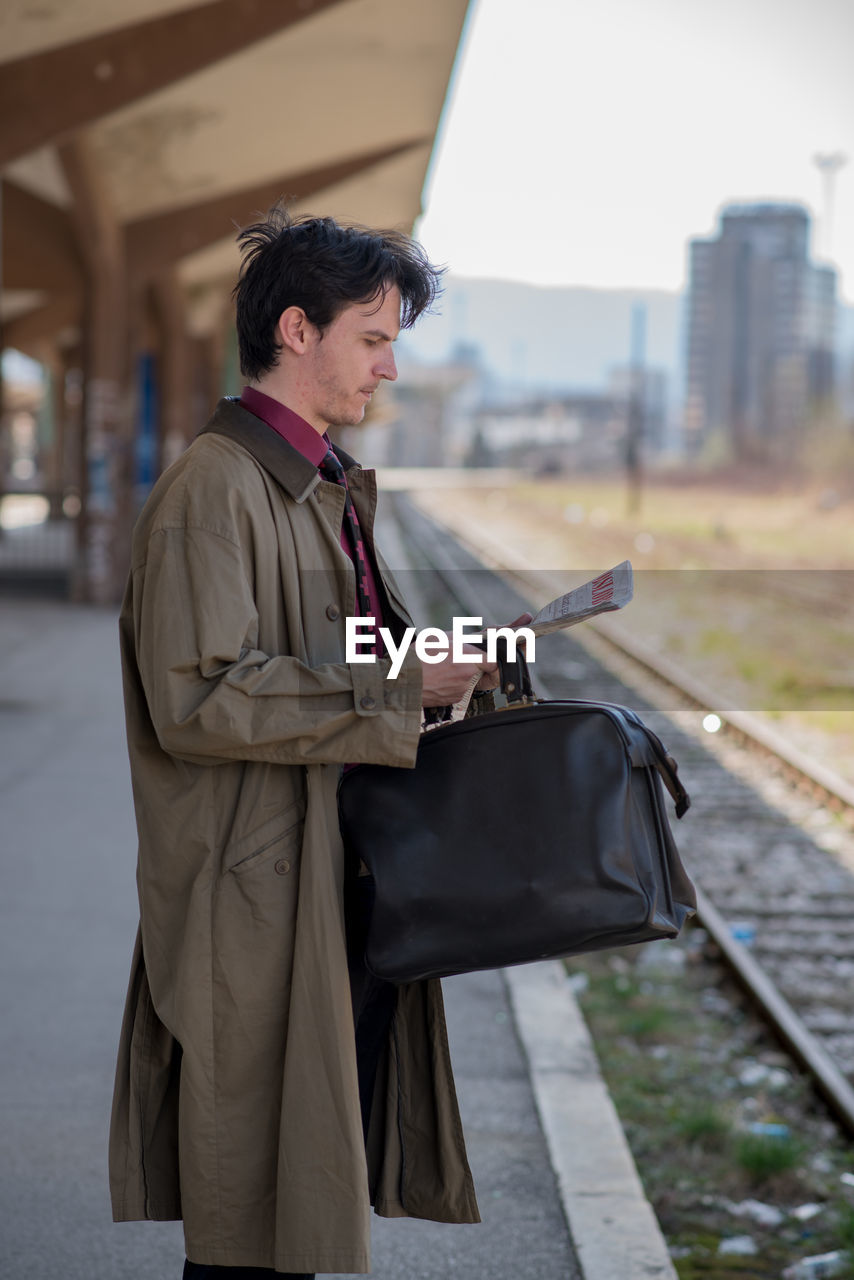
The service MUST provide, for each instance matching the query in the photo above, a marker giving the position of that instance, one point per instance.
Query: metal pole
(635, 416)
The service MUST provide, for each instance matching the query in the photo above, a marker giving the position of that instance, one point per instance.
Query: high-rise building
(761, 332)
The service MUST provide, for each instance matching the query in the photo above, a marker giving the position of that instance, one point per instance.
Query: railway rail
(771, 872)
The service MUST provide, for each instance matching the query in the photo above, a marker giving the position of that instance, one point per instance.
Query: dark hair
(321, 266)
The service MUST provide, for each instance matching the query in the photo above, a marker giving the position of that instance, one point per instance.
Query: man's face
(351, 359)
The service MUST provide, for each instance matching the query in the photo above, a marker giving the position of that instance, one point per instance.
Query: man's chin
(354, 419)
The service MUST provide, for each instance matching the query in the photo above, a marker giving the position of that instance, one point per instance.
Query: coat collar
(297, 476)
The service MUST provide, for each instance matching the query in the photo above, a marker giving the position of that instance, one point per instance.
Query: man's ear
(295, 330)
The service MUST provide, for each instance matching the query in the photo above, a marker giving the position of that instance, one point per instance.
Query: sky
(585, 141)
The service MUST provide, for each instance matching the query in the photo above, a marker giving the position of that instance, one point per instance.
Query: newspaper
(611, 590)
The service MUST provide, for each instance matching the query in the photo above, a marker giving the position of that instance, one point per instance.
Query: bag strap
(668, 770)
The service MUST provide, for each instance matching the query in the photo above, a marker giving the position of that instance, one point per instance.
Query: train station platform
(558, 1192)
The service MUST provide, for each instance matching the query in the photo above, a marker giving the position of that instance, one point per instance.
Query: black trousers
(373, 1000)
(199, 1271)
(373, 1007)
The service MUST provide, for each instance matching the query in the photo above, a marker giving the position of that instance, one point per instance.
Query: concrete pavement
(67, 922)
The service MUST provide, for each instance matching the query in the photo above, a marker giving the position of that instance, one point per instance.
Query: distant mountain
(561, 338)
(550, 337)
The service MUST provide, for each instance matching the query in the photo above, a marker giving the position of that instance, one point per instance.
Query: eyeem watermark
(431, 643)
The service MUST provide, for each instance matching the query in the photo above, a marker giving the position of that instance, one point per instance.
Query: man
(241, 1102)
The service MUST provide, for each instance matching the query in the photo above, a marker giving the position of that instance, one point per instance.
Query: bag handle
(514, 674)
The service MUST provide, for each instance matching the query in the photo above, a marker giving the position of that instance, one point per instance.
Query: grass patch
(845, 1229)
(674, 1042)
(765, 1159)
(704, 1125)
(646, 1021)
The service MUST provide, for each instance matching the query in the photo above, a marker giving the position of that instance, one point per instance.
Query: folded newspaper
(611, 590)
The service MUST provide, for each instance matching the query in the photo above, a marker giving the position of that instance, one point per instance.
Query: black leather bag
(536, 831)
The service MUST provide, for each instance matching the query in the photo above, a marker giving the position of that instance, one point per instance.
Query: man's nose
(387, 368)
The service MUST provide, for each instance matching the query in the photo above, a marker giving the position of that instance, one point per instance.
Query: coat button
(333, 613)
(282, 867)
(368, 703)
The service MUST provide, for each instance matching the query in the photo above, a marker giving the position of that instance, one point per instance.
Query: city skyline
(589, 144)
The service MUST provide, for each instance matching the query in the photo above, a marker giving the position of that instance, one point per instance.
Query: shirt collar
(300, 434)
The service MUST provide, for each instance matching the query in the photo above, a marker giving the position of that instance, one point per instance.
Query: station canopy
(144, 131)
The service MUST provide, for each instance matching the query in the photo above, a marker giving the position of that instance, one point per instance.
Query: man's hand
(445, 682)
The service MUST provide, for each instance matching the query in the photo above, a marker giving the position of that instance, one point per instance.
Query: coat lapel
(297, 476)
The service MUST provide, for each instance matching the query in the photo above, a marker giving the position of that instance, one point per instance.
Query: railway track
(769, 837)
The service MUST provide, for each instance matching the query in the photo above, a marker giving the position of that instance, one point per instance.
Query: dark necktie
(331, 469)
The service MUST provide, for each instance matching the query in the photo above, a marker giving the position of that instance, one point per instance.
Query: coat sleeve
(213, 695)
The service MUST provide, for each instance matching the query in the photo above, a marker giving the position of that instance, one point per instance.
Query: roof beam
(39, 248)
(27, 331)
(159, 241)
(46, 96)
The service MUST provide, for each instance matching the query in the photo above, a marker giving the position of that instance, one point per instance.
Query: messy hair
(321, 266)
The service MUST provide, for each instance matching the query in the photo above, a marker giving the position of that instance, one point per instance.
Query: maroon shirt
(303, 437)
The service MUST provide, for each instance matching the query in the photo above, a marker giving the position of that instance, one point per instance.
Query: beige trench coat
(236, 1102)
